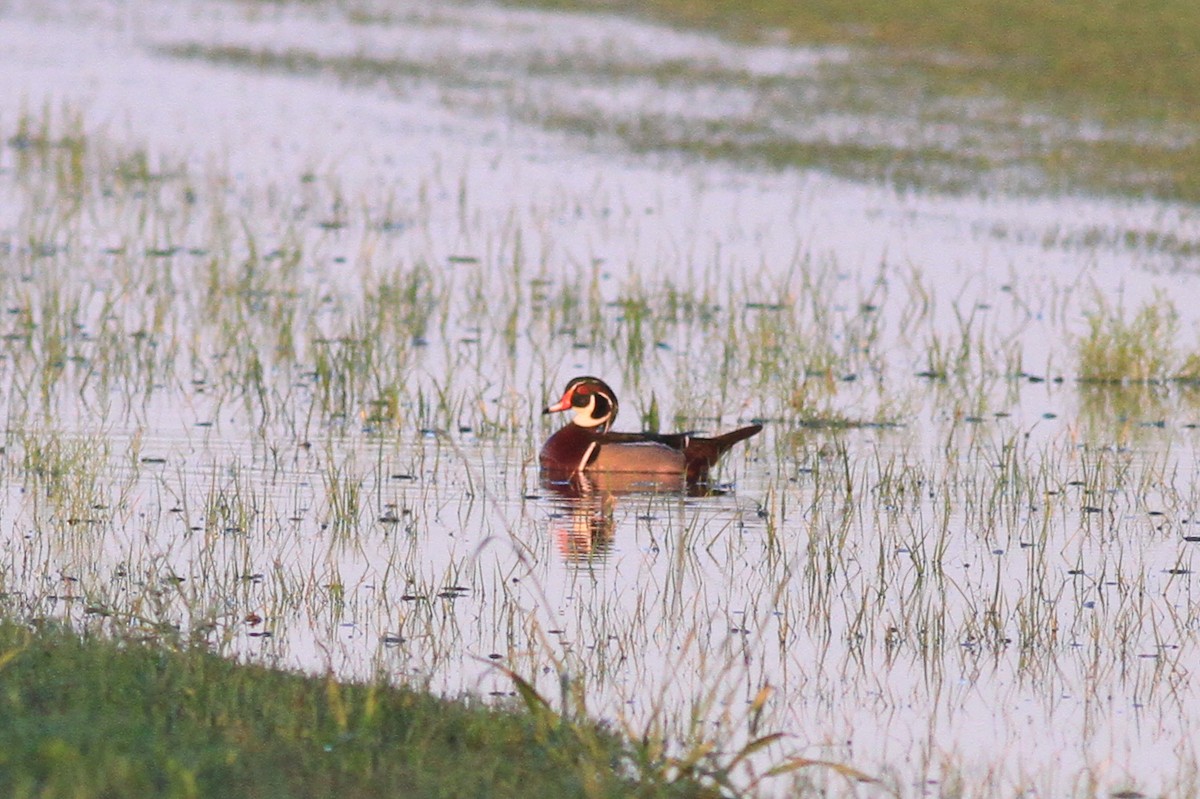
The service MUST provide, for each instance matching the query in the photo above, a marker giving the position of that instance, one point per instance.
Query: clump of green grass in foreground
(1137, 350)
(84, 718)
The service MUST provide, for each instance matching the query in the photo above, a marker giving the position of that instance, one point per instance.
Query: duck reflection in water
(583, 522)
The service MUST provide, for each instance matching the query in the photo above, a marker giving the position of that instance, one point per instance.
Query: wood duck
(587, 445)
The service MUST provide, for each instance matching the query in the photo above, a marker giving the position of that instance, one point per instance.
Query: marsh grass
(52, 141)
(1087, 60)
(1037, 75)
(1143, 348)
(1010, 104)
(65, 478)
(347, 419)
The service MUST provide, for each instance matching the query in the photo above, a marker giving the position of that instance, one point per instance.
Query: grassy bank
(1121, 57)
(94, 717)
(1118, 76)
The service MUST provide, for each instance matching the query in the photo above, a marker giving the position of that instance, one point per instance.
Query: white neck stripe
(583, 462)
(583, 416)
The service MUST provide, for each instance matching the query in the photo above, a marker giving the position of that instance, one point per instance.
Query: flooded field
(286, 287)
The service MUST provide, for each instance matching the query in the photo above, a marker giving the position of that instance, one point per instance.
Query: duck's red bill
(562, 405)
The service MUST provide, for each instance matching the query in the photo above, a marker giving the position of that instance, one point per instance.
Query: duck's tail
(702, 454)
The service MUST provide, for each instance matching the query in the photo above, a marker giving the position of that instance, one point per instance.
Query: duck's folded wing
(672, 440)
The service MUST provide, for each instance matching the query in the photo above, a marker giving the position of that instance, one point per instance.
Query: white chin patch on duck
(584, 416)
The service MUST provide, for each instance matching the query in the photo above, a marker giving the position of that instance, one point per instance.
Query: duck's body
(585, 444)
(575, 448)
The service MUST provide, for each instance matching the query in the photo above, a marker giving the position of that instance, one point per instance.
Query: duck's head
(594, 403)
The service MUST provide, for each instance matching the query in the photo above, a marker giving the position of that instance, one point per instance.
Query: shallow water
(989, 584)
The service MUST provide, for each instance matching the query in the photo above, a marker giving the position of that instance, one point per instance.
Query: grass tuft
(95, 717)
(1141, 349)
